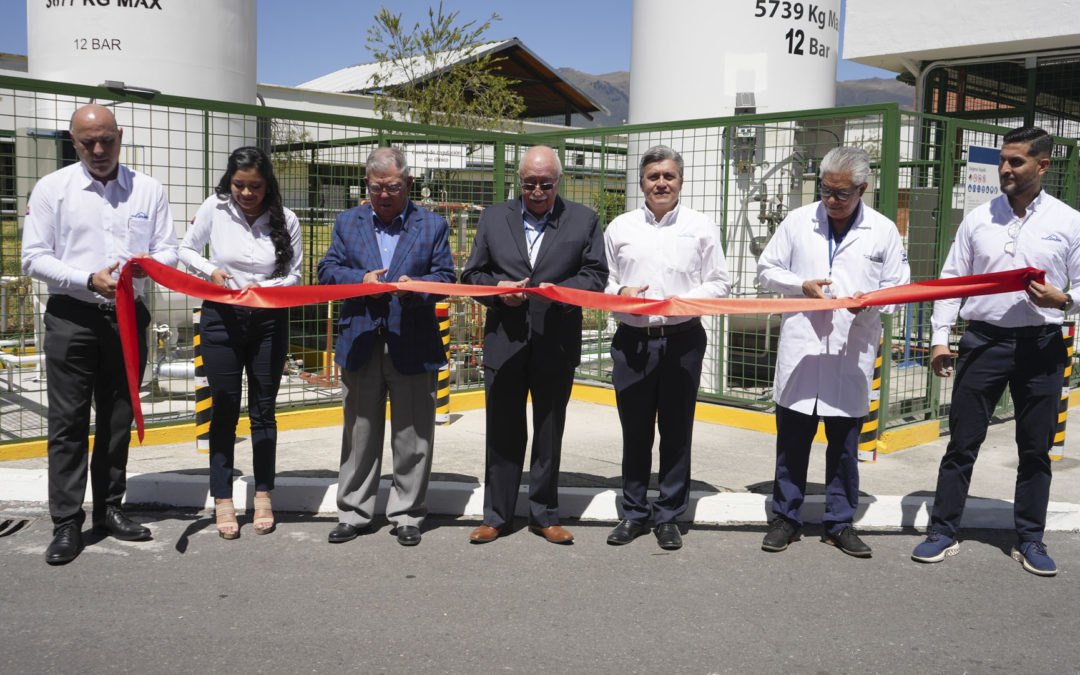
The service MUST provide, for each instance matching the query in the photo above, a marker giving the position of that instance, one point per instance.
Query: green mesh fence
(745, 172)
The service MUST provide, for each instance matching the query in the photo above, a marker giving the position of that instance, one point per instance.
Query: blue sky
(299, 41)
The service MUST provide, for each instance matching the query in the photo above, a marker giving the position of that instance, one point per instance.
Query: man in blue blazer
(531, 346)
(388, 344)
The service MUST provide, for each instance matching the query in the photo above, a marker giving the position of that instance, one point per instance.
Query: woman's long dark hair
(250, 157)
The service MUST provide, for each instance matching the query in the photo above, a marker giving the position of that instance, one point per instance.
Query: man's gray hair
(554, 155)
(847, 159)
(659, 153)
(388, 159)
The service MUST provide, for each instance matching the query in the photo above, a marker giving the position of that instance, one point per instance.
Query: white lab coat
(825, 359)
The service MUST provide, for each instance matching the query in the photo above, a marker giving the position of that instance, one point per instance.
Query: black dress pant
(84, 362)
(235, 339)
(656, 382)
(1031, 360)
(507, 390)
(795, 433)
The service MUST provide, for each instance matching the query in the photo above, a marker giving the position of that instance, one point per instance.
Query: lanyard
(833, 248)
(838, 238)
(532, 234)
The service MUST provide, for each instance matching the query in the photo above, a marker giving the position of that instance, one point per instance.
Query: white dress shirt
(76, 226)
(678, 256)
(825, 359)
(1047, 238)
(244, 251)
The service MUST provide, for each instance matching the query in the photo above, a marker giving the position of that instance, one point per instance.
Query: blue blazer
(408, 323)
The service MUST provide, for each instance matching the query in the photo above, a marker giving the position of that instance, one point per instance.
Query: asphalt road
(188, 601)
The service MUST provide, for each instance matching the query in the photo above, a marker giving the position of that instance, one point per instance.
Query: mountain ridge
(612, 90)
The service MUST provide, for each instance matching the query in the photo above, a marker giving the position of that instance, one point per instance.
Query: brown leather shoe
(484, 534)
(556, 534)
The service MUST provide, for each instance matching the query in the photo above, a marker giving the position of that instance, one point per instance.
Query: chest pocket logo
(139, 229)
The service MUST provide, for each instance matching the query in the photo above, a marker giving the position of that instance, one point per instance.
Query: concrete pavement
(732, 472)
(189, 602)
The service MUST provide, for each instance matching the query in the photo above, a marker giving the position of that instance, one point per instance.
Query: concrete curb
(318, 495)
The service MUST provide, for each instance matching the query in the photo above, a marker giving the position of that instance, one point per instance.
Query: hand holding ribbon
(293, 296)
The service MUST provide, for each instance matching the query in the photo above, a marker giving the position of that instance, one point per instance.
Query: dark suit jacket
(408, 322)
(571, 255)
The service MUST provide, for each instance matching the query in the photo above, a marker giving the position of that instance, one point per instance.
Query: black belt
(106, 307)
(666, 330)
(229, 307)
(990, 330)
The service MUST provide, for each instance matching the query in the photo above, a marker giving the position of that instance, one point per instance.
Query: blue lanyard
(533, 234)
(839, 238)
(833, 248)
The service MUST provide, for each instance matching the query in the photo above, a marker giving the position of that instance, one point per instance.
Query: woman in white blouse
(254, 241)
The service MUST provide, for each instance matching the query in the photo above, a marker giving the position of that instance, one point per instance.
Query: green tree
(429, 77)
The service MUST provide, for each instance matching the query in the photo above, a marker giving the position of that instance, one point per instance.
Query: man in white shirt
(836, 247)
(83, 223)
(1011, 339)
(663, 250)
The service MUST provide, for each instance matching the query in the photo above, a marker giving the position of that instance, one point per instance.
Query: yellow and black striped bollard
(442, 396)
(1057, 450)
(868, 437)
(203, 402)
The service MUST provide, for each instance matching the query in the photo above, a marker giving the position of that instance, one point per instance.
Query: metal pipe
(25, 360)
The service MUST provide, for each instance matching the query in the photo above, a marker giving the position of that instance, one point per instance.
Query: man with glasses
(662, 250)
(1011, 339)
(531, 346)
(83, 223)
(837, 247)
(389, 344)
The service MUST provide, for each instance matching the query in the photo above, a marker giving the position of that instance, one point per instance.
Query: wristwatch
(1068, 304)
(90, 284)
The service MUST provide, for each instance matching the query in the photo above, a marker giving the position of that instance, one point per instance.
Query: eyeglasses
(529, 187)
(389, 188)
(1014, 234)
(838, 195)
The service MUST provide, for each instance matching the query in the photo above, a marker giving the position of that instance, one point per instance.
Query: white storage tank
(689, 58)
(178, 47)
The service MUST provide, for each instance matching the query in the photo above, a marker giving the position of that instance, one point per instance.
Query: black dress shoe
(65, 546)
(625, 532)
(120, 526)
(780, 534)
(408, 535)
(667, 535)
(847, 541)
(344, 532)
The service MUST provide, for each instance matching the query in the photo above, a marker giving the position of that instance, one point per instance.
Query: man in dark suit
(531, 346)
(388, 344)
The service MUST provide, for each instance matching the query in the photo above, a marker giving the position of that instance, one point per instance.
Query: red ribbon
(292, 296)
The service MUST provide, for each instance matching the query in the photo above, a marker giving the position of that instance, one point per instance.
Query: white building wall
(892, 37)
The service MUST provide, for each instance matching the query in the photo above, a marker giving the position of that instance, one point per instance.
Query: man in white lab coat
(837, 247)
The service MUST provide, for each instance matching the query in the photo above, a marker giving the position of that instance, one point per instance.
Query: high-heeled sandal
(228, 511)
(264, 525)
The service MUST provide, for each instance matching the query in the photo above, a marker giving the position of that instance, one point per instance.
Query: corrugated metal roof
(358, 79)
(544, 91)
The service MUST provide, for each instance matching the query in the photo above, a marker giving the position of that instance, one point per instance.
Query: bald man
(531, 346)
(83, 223)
